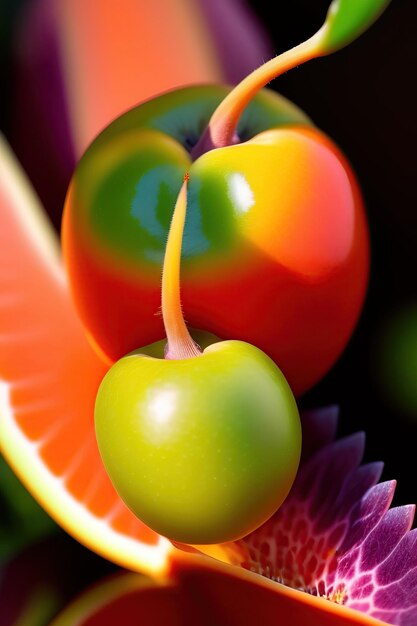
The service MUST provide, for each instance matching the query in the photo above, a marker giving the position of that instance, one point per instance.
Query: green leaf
(346, 20)
(22, 519)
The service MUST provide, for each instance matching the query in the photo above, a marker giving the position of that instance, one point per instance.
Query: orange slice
(49, 378)
(203, 592)
(128, 599)
(114, 59)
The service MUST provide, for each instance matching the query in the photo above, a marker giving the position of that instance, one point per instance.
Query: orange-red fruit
(275, 246)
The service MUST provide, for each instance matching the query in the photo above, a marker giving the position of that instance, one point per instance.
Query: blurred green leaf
(22, 520)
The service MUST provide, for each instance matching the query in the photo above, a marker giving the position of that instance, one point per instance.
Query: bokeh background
(364, 97)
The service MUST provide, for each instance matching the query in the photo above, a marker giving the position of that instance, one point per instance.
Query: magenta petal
(357, 570)
(364, 607)
(396, 583)
(368, 512)
(384, 538)
(385, 616)
(398, 601)
(398, 595)
(400, 561)
(407, 617)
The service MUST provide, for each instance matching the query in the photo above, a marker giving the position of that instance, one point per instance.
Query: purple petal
(385, 537)
(385, 616)
(43, 144)
(299, 544)
(367, 513)
(407, 618)
(398, 595)
(323, 475)
(240, 40)
(41, 130)
(356, 485)
(335, 536)
(357, 570)
(361, 588)
(319, 429)
(400, 561)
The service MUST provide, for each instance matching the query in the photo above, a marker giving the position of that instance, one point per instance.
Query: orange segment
(50, 376)
(233, 596)
(204, 592)
(131, 599)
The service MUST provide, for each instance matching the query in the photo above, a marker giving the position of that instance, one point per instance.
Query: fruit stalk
(180, 344)
(221, 130)
(345, 20)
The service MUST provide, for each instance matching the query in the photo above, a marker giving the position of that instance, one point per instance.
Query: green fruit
(203, 450)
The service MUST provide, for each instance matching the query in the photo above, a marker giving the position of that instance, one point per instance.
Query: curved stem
(345, 20)
(222, 126)
(180, 344)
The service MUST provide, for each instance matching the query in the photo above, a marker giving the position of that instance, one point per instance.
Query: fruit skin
(203, 450)
(275, 246)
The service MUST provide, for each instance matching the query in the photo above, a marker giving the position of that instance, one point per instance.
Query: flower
(335, 536)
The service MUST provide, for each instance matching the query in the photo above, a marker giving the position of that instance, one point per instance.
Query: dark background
(364, 97)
